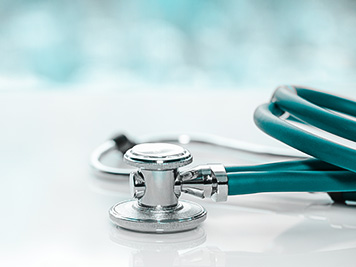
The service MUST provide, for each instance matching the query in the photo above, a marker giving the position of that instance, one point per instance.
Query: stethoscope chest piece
(156, 188)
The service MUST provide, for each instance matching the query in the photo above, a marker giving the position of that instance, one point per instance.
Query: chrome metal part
(206, 181)
(154, 184)
(157, 208)
(159, 188)
(137, 184)
(158, 156)
(133, 216)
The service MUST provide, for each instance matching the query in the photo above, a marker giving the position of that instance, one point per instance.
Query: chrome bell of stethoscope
(157, 185)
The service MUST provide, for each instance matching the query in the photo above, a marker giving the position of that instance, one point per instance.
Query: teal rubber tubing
(267, 119)
(334, 168)
(291, 181)
(300, 103)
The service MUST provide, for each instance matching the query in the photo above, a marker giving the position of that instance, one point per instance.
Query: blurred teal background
(187, 44)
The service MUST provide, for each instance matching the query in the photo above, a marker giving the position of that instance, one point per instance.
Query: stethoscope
(158, 180)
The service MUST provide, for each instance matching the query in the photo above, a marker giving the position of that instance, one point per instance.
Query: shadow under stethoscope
(329, 240)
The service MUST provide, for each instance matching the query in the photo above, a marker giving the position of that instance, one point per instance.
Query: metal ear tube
(157, 185)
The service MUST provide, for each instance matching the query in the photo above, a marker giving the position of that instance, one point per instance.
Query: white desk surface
(55, 213)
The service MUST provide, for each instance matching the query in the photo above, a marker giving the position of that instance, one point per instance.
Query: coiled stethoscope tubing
(335, 163)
